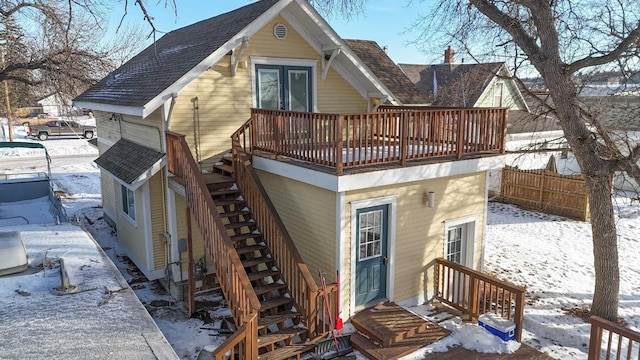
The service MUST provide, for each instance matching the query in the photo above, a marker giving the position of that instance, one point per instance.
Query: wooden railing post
(460, 134)
(518, 317)
(339, 144)
(404, 137)
(473, 297)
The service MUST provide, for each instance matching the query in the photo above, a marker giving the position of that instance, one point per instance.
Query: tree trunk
(597, 173)
(605, 248)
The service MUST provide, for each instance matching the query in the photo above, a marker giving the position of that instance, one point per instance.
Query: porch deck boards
(392, 331)
(388, 322)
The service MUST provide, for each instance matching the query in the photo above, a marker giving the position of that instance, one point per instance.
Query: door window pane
(453, 247)
(269, 89)
(370, 236)
(298, 90)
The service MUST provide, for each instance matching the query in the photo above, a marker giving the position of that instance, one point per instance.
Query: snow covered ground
(549, 255)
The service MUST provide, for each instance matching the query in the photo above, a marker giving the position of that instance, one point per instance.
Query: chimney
(448, 55)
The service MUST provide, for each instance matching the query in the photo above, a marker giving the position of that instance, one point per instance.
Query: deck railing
(235, 284)
(294, 271)
(475, 293)
(621, 343)
(344, 141)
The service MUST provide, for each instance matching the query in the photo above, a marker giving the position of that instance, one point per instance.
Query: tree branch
(625, 44)
(510, 25)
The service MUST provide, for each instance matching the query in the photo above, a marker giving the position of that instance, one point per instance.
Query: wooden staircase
(274, 300)
(280, 331)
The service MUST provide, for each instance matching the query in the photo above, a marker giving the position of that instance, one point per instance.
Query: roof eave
(346, 51)
(118, 109)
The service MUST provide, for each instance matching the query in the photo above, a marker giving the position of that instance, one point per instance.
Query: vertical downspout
(165, 194)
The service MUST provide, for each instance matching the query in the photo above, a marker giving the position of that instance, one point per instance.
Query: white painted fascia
(346, 50)
(372, 179)
(117, 109)
(214, 58)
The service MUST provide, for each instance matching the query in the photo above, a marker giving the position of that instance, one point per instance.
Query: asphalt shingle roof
(160, 65)
(387, 71)
(127, 160)
(457, 84)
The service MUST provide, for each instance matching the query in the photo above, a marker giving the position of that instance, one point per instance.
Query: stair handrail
(301, 283)
(230, 272)
(243, 333)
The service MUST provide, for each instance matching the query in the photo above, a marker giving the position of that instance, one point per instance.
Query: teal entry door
(371, 257)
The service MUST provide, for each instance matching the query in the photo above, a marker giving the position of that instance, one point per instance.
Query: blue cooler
(502, 328)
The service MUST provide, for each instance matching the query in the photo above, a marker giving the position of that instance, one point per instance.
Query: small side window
(128, 202)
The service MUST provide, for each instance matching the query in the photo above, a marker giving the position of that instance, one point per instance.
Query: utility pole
(6, 96)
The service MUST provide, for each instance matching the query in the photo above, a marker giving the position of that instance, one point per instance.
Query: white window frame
(313, 64)
(124, 196)
(471, 223)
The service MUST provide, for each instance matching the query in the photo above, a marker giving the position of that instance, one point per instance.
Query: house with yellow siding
(257, 147)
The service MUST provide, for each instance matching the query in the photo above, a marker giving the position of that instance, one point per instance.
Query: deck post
(404, 137)
(190, 281)
(519, 315)
(460, 133)
(338, 144)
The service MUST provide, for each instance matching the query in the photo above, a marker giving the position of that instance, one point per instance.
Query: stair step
(247, 236)
(235, 213)
(225, 168)
(281, 335)
(250, 249)
(262, 274)
(265, 321)
(263, 289)
(240, 224)
(224, 192)
(286, 352)
(275, 302)
(224, 202)
(256, 261)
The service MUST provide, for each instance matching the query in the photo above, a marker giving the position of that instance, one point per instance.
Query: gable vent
(280, 31)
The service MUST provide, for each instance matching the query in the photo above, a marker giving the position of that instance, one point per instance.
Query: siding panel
(420, 230)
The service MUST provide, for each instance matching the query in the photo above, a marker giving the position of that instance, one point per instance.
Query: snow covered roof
(101, 319)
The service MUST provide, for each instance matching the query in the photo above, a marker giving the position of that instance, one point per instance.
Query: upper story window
(280, 87)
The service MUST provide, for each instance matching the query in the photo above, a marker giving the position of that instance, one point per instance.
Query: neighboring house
(55, 105)
(358, 192)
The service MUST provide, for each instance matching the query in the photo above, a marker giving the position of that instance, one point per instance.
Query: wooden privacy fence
(621, 343)
(475, 293)
(545, 191)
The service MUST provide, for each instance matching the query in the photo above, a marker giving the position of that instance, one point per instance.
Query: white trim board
(372, 179)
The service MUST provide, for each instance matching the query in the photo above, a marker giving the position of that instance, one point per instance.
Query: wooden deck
(388, 331)
(399, 331)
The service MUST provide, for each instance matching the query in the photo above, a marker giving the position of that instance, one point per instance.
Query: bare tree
(563, 41)
(55, 46)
